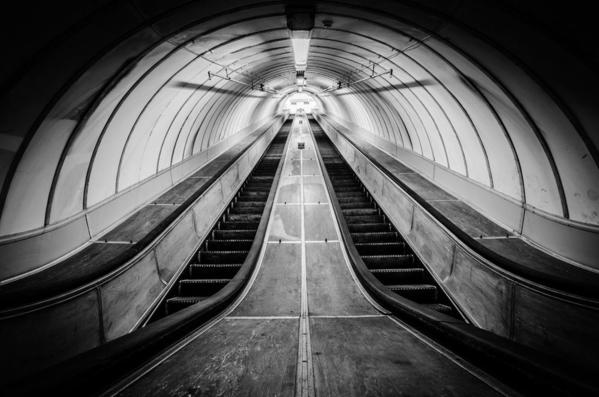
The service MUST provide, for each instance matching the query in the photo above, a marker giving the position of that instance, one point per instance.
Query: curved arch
(461, 100)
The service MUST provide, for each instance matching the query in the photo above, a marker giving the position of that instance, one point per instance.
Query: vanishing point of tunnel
(299, 198)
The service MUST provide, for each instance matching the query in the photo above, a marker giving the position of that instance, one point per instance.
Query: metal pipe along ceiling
(129, 100)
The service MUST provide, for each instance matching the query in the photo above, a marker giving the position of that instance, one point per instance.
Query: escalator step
(244, 217)
(369, 227)
(350, 195)
(250, 201)
(214, 270)
(392, 248)
(409, 275)
(355, 204)
(228, 225)
(339, 190)
(263, 178)
(229, 245)
(360, 211)
(239, 234)
(421, 293)
(257, 187)
(349, 200)
(253, 196)
(352, 219)
(201, 286)
(388, 261)
(222, 256)
(245, 204)
(379, 237)
(238, 210)
(344, 181)
(181, 302)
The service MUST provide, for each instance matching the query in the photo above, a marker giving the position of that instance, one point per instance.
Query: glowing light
(300, 40)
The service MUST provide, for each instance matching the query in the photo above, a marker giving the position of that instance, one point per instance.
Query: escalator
(381, 247)
(225, 249)
(351, 345)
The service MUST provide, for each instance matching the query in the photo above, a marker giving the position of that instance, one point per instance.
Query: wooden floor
(304, 326)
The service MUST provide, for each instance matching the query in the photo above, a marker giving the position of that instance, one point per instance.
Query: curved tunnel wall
(484, 96)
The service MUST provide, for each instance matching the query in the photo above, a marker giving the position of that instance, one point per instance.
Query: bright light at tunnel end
(300, 40)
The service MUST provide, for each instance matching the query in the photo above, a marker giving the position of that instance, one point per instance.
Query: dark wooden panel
(214, 166)
(374, 357)
(235, 358)
(127, 297)
(395, 166)
(182, 191)
(20, 256)
(555, 328)
(432, 243)
(174, 249)
(93, 261)
(138, 225)
(331, 289)
(276, 291)
(539, 265)
(398, 207)
(425, 189)
(469, 220)
(484, 294)
(40, 339)
(373, 180)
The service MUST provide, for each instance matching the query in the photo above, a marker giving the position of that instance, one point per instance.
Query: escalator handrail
(91, 371)
(128, 258)
(512, 362)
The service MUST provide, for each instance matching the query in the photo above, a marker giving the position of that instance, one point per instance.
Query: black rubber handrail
(573, 290)
(517, 365)
(14, 300)
(93, 371)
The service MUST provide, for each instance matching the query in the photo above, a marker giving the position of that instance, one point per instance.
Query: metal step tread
(401, 256)
(374, 235)
(216, 265)
(412, 287)
(190, 300)
(236, 231)
(223, 252)
(204, 280)
(398, 270)
(376, 244)
(229, 240)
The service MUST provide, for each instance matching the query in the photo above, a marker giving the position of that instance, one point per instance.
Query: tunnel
(245, 197)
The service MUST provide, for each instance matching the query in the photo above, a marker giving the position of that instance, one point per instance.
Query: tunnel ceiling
(139, 88)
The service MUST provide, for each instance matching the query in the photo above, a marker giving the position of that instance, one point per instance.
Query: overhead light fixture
(300, 22)
(300, 78)
(300, 40)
